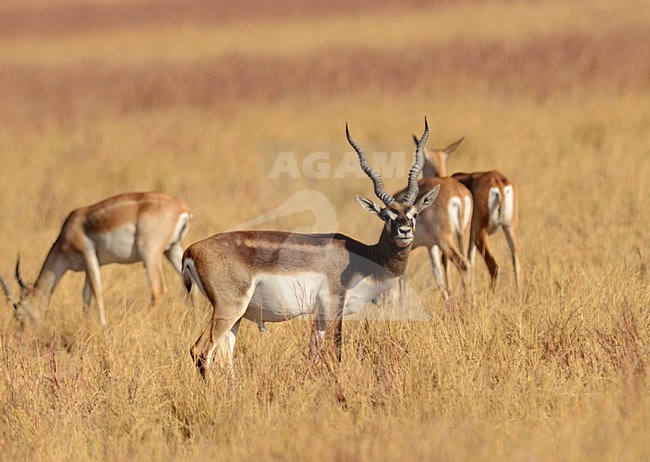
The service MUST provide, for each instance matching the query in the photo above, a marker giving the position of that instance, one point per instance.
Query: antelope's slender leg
(175, 256)
(92, 275)
(434, 253)
(401, 288)
(337, 325)
(446, 263)
(153, 267)
(327, 327)
(483, 247)
(318, 332)
(86, 294)
(225, 349)
(512, 245)
(461, 263)
(471, 257)
(226, 313)
(205, 347)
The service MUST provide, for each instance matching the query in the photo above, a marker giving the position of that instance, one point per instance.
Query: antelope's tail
(187, 277)
(190, 274)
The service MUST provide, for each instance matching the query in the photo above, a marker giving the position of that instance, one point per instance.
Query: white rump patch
(177, 235)
(494, 207)
(468, 211)
(454, 209)
(509, 204)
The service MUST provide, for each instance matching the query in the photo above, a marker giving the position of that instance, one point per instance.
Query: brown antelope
(275, 276)
(495, 207)
(123, 229)
(444, 227)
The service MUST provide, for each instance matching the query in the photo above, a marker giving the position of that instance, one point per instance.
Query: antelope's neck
(391, 258)
(431, 171)
(53, 268)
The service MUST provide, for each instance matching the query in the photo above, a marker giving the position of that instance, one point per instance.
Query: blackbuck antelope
(123, 229)
(444, 228)
(495, 207)
(275, 276)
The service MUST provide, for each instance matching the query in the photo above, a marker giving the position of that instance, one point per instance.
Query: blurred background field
(197, 98)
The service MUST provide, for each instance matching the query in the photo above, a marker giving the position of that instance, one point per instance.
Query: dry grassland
(196, 98)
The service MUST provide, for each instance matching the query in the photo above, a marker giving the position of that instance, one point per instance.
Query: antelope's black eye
(415, 216)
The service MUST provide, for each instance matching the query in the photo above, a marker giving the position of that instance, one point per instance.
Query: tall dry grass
(560, 373)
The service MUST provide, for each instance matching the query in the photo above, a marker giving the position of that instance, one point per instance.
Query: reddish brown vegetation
(539, 67)
(85, 17)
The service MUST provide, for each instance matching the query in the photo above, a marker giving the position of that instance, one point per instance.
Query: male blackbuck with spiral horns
(273, 276)
(495, 207)
(127, 228)
(444, 229)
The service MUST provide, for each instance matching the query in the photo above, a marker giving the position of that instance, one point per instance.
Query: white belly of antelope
(116, 246)
(468, 212)
(278, 298)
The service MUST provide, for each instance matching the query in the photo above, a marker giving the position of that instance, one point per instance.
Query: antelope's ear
(452, 147)
(428, 199)
(368, 205)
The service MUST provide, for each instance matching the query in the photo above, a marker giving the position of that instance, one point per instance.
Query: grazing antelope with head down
(443, 228)
(495, 207)
(275, 276)
(123, 229)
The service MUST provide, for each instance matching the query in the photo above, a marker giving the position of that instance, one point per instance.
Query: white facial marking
(390, 214)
